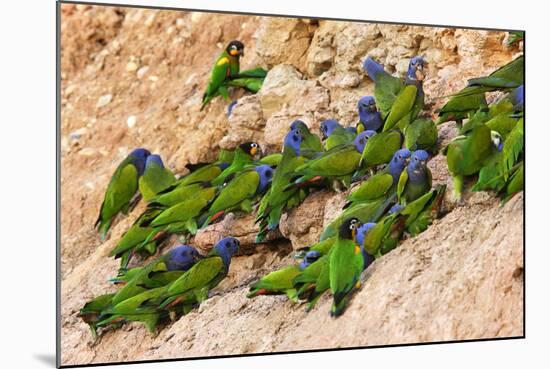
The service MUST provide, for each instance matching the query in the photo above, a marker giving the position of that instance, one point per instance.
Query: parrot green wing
(185, 210)
(401, 184)
(509, 75)
(421, 135)
(515, 184)
(201, 275)
(176, 195)
(275, 282)
(380, 148)
(459, 107)
(120, 192)
(346, 265)
(369, 211)
(242, 187)
(513, 146)
(402, 106)
(272, 160)
(220, 71)
(154, 180)
(136, 234)
(386, 90)
(202, 174)
(374, 187)
(339, 161)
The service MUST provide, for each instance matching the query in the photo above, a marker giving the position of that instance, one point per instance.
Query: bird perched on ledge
(226, 65)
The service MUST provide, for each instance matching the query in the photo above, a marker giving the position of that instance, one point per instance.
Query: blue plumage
(182, 258)
(369, 116)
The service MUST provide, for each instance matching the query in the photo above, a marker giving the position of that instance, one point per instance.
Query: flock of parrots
(386, 152)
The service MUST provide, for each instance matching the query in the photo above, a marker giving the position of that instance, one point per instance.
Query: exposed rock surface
(134, 77)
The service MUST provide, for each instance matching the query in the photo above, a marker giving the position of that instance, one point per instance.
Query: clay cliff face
(135, 77)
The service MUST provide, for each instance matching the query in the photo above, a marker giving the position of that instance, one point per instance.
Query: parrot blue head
(361, 140)
(362, 232)
(293, 140)
(417, 165)
(398, 163)
(517, 98)
(369, 115)
(396, 208)
(328, 126)
(154, 160)
(299, 125)
(230, 107)
(139, 157)
(266, 176)
(182, 257)
(226, 248)
(366, 104)
(416, 69)
(309, 258)
(373, 68)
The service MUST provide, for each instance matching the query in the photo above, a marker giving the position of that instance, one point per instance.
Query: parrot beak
(254, 151)
(234, 52)
(419, 73)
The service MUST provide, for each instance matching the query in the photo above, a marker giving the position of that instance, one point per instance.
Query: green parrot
(195, 284)
(311, 144)
(345, 265)
(421, 135)
(182, 216)
(504, 78)
(277, 198)
(122, 189)
(368, 211)
(277, 282)
(399, 101)
(239, 192)
(335, 135)
(313, 281)
(92, 310)
(226, 65)
(178, 194)
(107, 309)
(202, 173)
(281, 281)
(155, 178)
(244, 155)
(467, 153)
(421, 212)
(515, 36)
(272, 160)
(339, 162)
(415, 180)
(380, 148)
(515, 184)
(383, 183)
(134, 237)
(463, 106)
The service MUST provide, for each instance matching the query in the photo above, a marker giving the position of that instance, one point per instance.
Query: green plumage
(340, 161)
(466, 154)
(401, 108)
(340, 136)
(119, 196)
(373, 188)
(462, 106)
(277, 282)
(346, 265)
(277, 198)
(225, 66)
(380, 148)
(408, 191)
(421, 135)
(369, 211)
(155, 179)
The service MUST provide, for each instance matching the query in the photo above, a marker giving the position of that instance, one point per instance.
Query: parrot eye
(268, 174)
